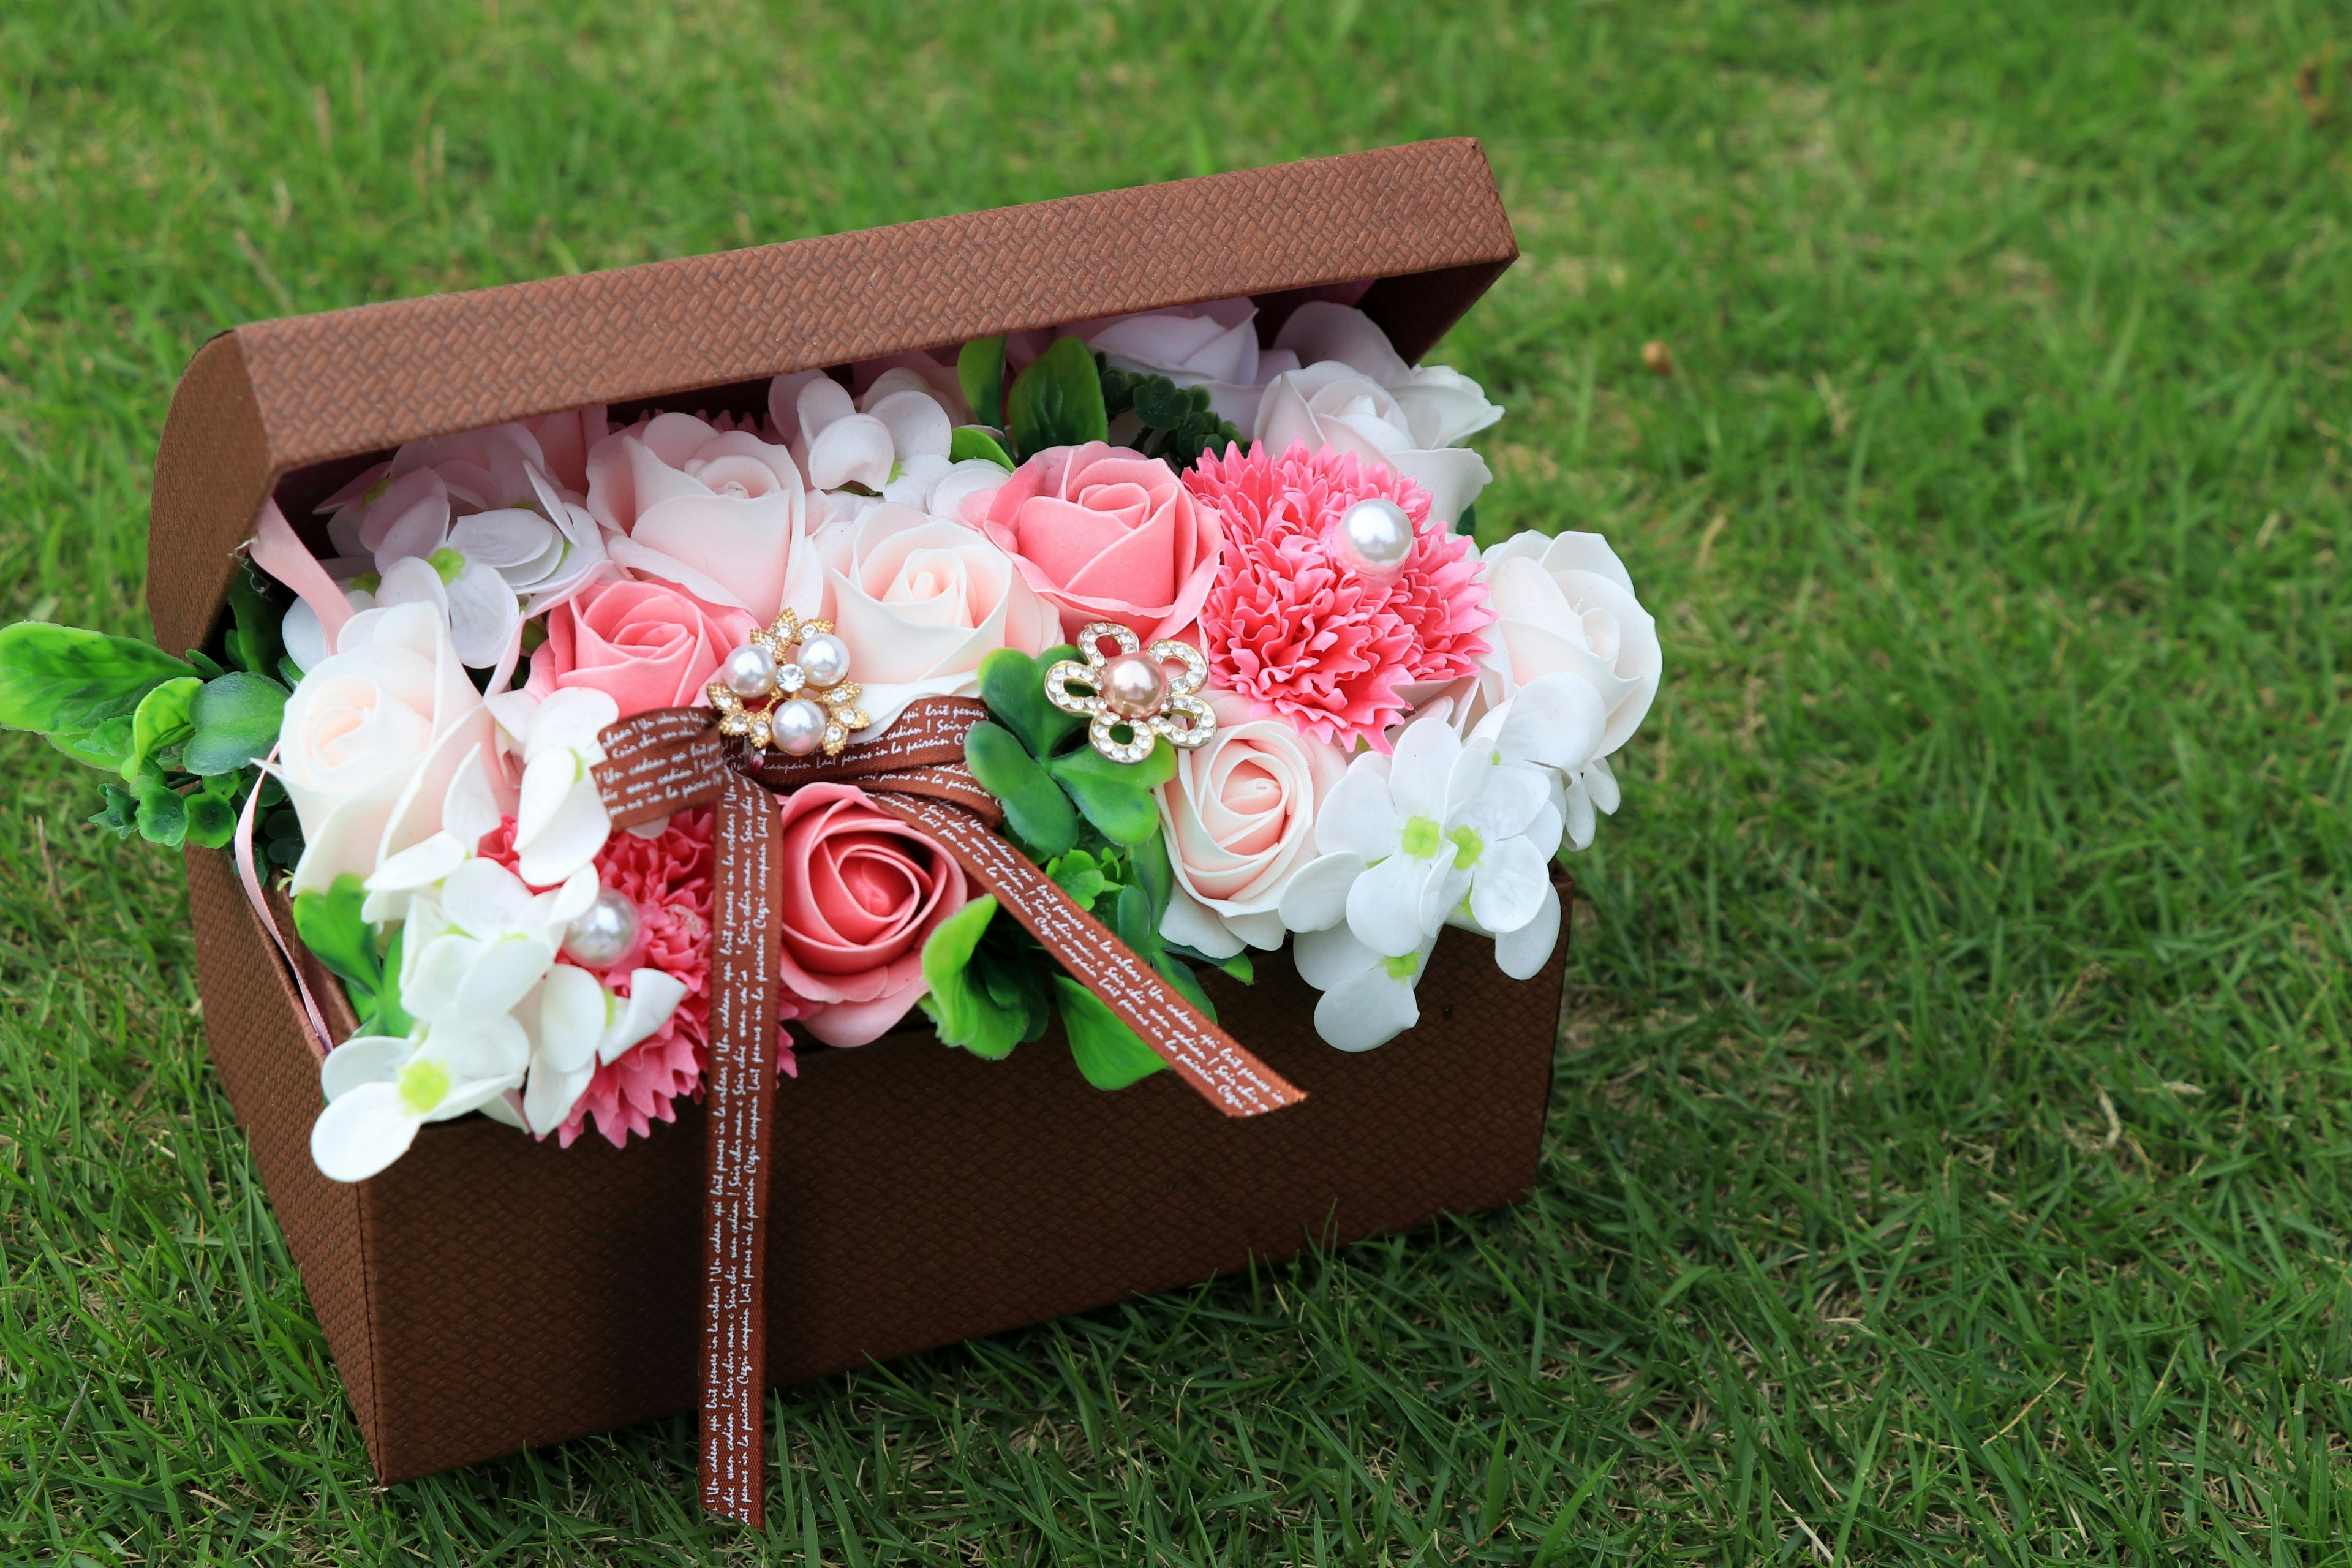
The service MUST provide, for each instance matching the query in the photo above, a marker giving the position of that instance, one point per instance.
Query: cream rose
(719, 512)
(1566, 604)
(1240, 815)
(372, 739)
(921, 601)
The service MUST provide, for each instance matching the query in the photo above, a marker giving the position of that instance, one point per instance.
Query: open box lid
(265, 400)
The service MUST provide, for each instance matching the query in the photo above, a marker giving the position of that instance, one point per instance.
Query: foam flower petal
(1522, 953)
(362, 1132)
(1385, 905)
(1317, 897)
(364, 1058)
(1509, 884)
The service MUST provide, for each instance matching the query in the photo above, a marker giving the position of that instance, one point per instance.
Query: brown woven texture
(920, 1195)
(266, 399)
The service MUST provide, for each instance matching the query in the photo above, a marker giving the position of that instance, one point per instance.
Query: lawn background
(1945, 1163)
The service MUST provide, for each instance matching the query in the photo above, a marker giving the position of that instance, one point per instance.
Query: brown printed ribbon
(663, 762)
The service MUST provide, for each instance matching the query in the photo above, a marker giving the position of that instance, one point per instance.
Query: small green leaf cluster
(180, 736)
(1176, 420)
(1093, 826)
(330, 926)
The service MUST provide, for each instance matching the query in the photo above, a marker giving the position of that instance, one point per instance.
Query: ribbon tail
(1215, 1064)
(740, 1107)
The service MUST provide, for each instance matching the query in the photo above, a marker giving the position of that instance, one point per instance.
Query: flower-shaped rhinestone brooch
(1132, 689)
(789, 687)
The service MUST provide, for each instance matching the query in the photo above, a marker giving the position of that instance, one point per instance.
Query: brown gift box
(488, 1293)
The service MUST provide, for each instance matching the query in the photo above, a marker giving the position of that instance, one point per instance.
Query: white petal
(484, 615)
(1372, 1010)
(305, 635)
(1556, 719)
(504, 539)
(1507, 885)
(548, 781)
(433, 976)
(361, 1134)
(504, 970)
(482, 899)
(1192, 923)
(918, 425)
(973, 476)
(1512, 799)
(572, 720)
(505, 1108)
(547, 1102)
(1360, 816)
(419, 865)
(1522, 953)
(1328, 959)
(485, 1048)
(1425, 753)
(654, 995)
(1316, 895)
(1577, 807)
(1260, 929)
(1601, 780)
(1384, 906)
(572, 1020)
(822, 401)
(1443, 894)
(365, 1059)
(570, 900)
(852, 450)
(469, 810)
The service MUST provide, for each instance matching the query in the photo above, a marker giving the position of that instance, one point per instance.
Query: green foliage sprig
(180, 736)
(1176, 420)
(1093, 826)
(330, 926)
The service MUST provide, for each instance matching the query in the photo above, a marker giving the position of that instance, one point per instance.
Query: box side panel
(260, 1045)
(922, 1196)
(213, 464)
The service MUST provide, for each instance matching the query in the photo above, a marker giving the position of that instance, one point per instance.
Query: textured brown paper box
(488, 1293)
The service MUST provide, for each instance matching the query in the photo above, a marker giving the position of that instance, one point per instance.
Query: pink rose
(1240, 815)
(862, 892)
(647, 644)
(1107, 535)
(719, 512)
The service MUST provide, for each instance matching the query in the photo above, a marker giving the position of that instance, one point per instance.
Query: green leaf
(1035, 807)
(1153, 874)
(1159, 403)
(1117, 797)
(103, 747)
(979, 368)
(1132, 920)
(120, 817)
(1013, 686)
(1080, 875)
(211, 820)
(1107, 1051)
(330, 926)
(1058, 401)
(1239, 965)
(205, 665)
(161, 721)
(65, 680)
(163, 814)
(1179, 974)
(253, 642)
(971, 441)
(237, 719)
(390, 1018)
(964, 1013)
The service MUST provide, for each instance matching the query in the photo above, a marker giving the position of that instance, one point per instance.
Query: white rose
(1443, 408)
(719, 512)
(1240, 815)
(374, 737)
(1329, 404)
(921, 601)
(1566, 604)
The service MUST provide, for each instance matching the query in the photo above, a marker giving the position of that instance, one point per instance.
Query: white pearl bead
(1134, 686)
(748, 673)
(1375, 536)
(604, 932)
(826, 659)
(797, 726)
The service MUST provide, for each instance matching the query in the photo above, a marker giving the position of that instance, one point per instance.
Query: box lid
(265, 400)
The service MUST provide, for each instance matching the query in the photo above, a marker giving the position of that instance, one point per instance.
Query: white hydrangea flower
(468, 811)
(560, 822)
(381, 1090)
(1367, 1000)
(579, 1022)
(476, 945)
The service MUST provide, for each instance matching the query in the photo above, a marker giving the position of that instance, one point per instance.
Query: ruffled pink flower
(1296, 631)
(669, 878)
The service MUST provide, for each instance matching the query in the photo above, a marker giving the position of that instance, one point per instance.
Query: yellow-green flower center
(423, 1086)
(1467, 847)
(1422, 835)
(448, 562)
(1401, 966)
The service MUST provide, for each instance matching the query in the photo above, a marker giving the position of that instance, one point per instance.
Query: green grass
(1947, 1163)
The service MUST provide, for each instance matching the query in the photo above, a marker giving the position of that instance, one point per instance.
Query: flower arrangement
(1249, 684)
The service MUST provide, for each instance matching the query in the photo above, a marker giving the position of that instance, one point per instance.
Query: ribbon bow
(663, 762)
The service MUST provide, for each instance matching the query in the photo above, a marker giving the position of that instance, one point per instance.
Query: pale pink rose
(373, 739)
(921, 601)
(1240, 815)
(1107, 535)
(720, 512)
(862, 893)
(646, 644)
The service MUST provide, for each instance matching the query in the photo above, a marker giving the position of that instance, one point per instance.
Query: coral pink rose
(862, 892)
(715, 509)
(647, 644)
(1107, 535)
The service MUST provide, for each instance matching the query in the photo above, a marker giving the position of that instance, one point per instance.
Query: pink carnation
(668, 878)
(1296, 631)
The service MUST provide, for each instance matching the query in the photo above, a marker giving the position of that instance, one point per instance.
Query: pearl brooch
(1132, 690)
(789, 687)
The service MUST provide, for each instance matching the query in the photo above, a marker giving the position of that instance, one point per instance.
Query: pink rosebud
(1104, 533)
(648, 645)
(862, 892)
